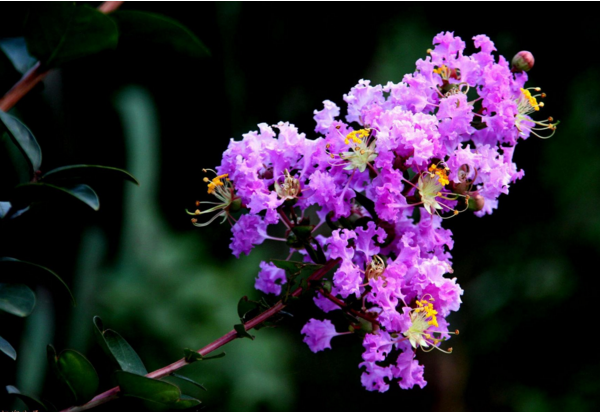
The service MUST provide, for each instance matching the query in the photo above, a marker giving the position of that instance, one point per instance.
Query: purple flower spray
(371, 191)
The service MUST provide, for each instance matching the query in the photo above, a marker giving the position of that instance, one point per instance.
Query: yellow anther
(440, 69)
(215, 182)
(356, 136)
(197, 212)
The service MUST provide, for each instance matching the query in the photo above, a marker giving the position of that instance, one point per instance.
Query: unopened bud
(476, 203)
(523, 61)
(236, 205)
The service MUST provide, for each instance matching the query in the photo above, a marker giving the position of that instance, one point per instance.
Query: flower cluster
(405, 157)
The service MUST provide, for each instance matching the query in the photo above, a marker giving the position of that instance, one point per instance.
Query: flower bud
(476, 203)
(523, 61)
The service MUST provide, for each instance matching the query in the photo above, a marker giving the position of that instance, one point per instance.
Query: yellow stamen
(356, 136)
(532, 100)
(215, 182)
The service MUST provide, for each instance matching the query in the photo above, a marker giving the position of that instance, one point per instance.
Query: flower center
(362, 150)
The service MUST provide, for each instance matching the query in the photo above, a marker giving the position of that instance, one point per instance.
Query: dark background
(529, 271)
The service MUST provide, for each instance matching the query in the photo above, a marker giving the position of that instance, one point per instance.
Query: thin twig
(345, 307)
(223, 340)
(37, 73)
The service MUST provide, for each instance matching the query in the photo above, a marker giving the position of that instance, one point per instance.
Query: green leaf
(246, 306)
(128, 359)
(191, 355)
(99, 334)
(59, 32)
(15, 168)
(7, 349)
(294, 269)
(24, 139)
(220, 355)
(17, 299)
(155, 394)
(76, 372)
(9, 74)
(118, 349)
(24, 195)
(303, 232)
(242, 332)
(32, 402)
(193, 382)
(288, 265)
(147, 30)
(13, 270)
(83, 172)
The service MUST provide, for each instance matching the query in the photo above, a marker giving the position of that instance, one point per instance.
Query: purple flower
(248, 231)
(326, 117)
(319, 334)
(408, 370)
(270, 278)
(374, 377)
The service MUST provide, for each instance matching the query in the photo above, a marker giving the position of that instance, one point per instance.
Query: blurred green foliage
(528, 270)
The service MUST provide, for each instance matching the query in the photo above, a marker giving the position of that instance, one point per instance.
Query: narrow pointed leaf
(118, 350)
(99, 334)
(60, 32)
(23, 138)
(127, 358)
(16, 299)
(191, 355)
(85, 172)
(7, 349)
(242, 332)
(217, 356)
(26, 194)
(14, 270)
(193, 382)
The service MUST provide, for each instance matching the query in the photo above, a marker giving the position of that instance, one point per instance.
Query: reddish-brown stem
(287, 221)
(37, 73)
(345, 307)
(223, 340)
(412, 182)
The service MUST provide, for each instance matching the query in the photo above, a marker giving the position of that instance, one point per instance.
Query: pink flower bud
(523, 61)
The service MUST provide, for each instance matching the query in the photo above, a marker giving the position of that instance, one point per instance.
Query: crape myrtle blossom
(371, 190)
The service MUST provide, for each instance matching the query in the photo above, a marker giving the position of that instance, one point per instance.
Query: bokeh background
(529, 271)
